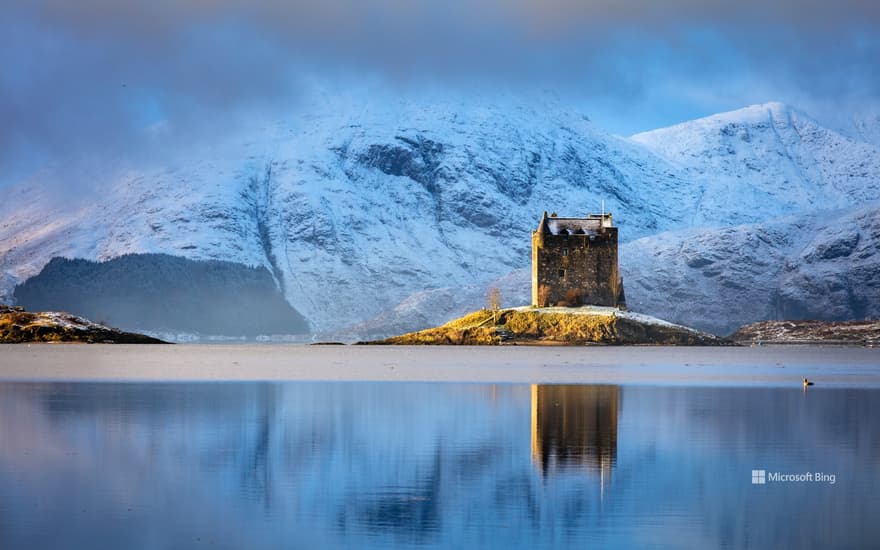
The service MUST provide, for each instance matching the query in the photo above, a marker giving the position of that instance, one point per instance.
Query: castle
(574, 262)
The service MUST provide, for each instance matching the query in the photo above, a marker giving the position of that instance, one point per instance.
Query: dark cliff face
(165, 293)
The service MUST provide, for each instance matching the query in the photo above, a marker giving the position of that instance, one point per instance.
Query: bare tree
(493, 298)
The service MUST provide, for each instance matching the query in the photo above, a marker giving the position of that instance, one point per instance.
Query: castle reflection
(574, 427)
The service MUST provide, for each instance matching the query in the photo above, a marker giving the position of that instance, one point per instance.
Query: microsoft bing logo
(759, 477)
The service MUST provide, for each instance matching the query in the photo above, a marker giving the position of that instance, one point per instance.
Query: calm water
(371, 464)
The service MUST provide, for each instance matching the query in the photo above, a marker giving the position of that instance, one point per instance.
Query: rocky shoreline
(851, 333)
(18, 326)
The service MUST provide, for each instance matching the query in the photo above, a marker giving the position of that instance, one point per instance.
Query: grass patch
(561, 327)
(574, 326)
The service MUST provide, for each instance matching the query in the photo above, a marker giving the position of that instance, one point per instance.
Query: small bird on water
(807, 382)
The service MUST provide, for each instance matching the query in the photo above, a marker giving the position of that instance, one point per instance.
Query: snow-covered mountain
(765, 161)
(354, 207)
(798, 259)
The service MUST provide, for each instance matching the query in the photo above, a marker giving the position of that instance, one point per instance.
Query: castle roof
(591, 225)
(574, 226)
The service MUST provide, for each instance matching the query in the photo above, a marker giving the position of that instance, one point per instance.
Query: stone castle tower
(574, 262)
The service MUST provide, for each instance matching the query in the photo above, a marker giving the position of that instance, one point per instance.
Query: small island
(574, 326)
(18, 326)
(577, 298)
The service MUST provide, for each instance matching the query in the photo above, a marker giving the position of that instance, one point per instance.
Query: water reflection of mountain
(574, 427)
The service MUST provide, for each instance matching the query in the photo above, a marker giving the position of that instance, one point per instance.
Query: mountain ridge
(353, 211)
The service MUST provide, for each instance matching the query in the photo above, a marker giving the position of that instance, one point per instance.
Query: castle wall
(585, 264)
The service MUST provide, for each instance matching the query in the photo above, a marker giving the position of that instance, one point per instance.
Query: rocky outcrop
(18, 326)
(860, 333)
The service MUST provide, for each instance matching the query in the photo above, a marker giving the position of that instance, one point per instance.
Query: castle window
(565, 252)
(562, 274)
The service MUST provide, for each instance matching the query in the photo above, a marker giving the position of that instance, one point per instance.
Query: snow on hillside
(802, 267)
(767, 160)
(354, 206)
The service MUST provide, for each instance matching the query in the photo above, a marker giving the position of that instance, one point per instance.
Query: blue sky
(83, 78)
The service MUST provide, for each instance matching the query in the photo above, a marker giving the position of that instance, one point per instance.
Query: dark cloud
(93, 74)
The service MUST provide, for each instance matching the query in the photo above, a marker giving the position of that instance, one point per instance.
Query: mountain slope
(802, 267)
(767, 160)
(354, 206)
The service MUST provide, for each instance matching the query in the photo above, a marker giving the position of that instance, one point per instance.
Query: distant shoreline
(787, 332)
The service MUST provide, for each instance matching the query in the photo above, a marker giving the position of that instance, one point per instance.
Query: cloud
(87, 76)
